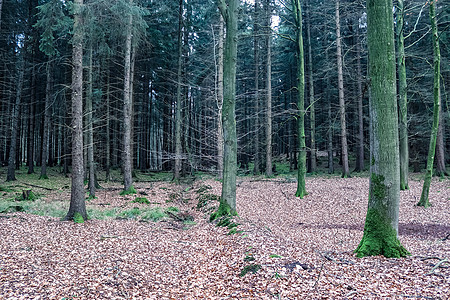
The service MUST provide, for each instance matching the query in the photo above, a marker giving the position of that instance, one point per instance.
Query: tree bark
(268, 89)
(381, 226)
(220, 142)
(11, 175)
(77, 201)
(344, 146)
(301, 181)
(424, 200)
(360, 158)
(127, 108)
(45, 137)
(312, 111)
(90, 128)
(402, 99)
(178, 108)
(257, 157)
(229, 10)
(440, 146)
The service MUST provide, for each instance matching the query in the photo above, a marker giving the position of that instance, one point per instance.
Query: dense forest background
(175, 70)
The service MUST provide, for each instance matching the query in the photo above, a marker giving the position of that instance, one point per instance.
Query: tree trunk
(45, 137)
(344, 147)
(402, 99)
(127, 108)
(360, 158)
(257, 157)
(424, 201)
(381, 227)
(301, 182)
(229, 10)
(31, 136)
(312, 112)
(11, 175)
(108, 124)
(178, 108)
(90, 129)
(440, 146)
(268, 89)
(1, 5)
(77, 201)
(220, 142)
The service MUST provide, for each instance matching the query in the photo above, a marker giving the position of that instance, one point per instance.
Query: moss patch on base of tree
(379, 238)
(131, 191)
(224, 210)
(78, 218)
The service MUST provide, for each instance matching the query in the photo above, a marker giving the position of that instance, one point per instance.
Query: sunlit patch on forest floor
(165, 248)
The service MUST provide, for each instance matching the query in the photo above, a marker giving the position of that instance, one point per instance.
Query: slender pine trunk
(268, 90)
(312, 110)
(220, 144)
(77, 206)
(344, 146)
(178, 104)
(45, 137)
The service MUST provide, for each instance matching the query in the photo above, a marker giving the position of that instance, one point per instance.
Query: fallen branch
(37, 186)
(437, 266)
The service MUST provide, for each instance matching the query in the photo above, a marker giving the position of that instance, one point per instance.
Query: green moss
(44, 177)
(250, 268)
(154, 214)
(378, 189)
(141, 200)
(78, 218)
(379, 238)
(130, 191)
(173, 209)
(223, 210)
(130, 214)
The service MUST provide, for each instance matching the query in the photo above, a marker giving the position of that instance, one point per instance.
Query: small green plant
(249, 257)
(91, 197)
(275, 256)
(154, 214)
(130, 214)
(78, 218)
(130, 191)
(173, 209)
(141, 200)
(250, 268)
(27, 195)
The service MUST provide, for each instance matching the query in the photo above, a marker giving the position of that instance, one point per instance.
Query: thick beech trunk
(381, 226)
(424, 201)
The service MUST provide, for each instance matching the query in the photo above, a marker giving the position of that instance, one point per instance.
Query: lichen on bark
(380, 238)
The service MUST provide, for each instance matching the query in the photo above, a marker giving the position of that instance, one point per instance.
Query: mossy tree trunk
(229, 10)
(402, 99)
(77, 199)
(301, 181)
(381, 226)
(424, 201)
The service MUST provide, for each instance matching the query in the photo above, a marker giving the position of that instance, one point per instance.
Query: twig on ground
(438, 265)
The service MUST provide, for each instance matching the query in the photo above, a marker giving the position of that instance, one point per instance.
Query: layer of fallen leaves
(304, 247)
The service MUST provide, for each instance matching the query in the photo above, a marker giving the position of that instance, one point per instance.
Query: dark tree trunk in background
(257, 158)
(268, 30)
(312, 111)
(11, 175)
(47, 108)
(344, 146)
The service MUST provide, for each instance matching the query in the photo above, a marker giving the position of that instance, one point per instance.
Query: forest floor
(168, 249)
